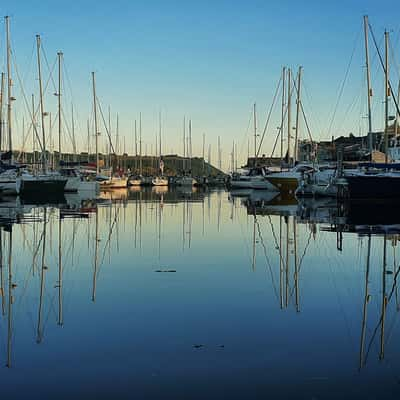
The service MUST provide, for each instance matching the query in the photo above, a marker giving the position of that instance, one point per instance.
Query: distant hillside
(173, 164)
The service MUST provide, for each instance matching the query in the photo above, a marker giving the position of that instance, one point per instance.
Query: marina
(199, 202)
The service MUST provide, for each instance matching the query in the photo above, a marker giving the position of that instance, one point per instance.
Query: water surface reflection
(160, 293)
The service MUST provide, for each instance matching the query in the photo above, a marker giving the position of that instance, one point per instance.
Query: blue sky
(208, 60)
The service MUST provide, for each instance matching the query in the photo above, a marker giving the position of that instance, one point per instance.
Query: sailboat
(44, 182)
(374, 179)
(8, 170)
(186, 180)
(136, 180)
(253, 177)
(160, 180)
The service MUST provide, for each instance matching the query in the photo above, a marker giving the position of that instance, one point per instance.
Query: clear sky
(207, 60)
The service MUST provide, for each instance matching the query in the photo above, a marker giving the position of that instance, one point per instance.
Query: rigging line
(267, 259)
(380, 319)
(280, 130)
(48, 67)
(350, 107)
(25, 284)
(344, 82)
(108, 239)
(269, 116)
(384, 69)
(306, 122)
(308, 97)
(247, 131)
(105, 126)
(275, 238)
(32, 116)
(304, 115)
(393, 57)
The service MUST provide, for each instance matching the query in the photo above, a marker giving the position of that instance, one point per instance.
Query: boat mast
(159, 116)
(95, 124)
(366, 296)
(136, 148)
(283, 110)
(387, 93)
(59, 56)
(204, 145)
(73, 132)
(41, 105)
(10, 300)
(297, 114)
(190, 146)
(1, 109)
(140, 144)
(255, 133)
(60, 274)
(288, 113)
(34, 132)
(88, 140)
(9, 84)
(369, 91)
(384, 299)
(184, 144)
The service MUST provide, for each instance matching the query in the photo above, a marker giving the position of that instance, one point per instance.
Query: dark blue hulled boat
(377, 180)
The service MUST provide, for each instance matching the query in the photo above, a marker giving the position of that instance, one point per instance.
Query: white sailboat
(186, 180)
(160, 180)
(43, 182)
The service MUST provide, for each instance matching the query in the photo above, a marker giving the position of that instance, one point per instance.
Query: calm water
(153, 295)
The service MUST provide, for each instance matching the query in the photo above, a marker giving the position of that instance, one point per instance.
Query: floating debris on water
(165, 270)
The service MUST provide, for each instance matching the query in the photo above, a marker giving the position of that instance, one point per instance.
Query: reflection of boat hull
(8, 182)
(317, 190)
(253, 195)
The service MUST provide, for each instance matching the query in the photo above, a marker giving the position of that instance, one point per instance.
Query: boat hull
(72, 184)
(284, 184)
(8, 187)
(160, 182)
(89, 186)
(38, 186)
(369, 186)
(114, 184)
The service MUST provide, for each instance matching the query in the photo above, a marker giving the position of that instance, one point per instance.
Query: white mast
(297, 115)
(387, 93)
(95, 124)
(9, 84)
(1, 109)
(283, 110)
(255, 133)
(369, 94)
(59, 55)
(44, 161)
(288, 112)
